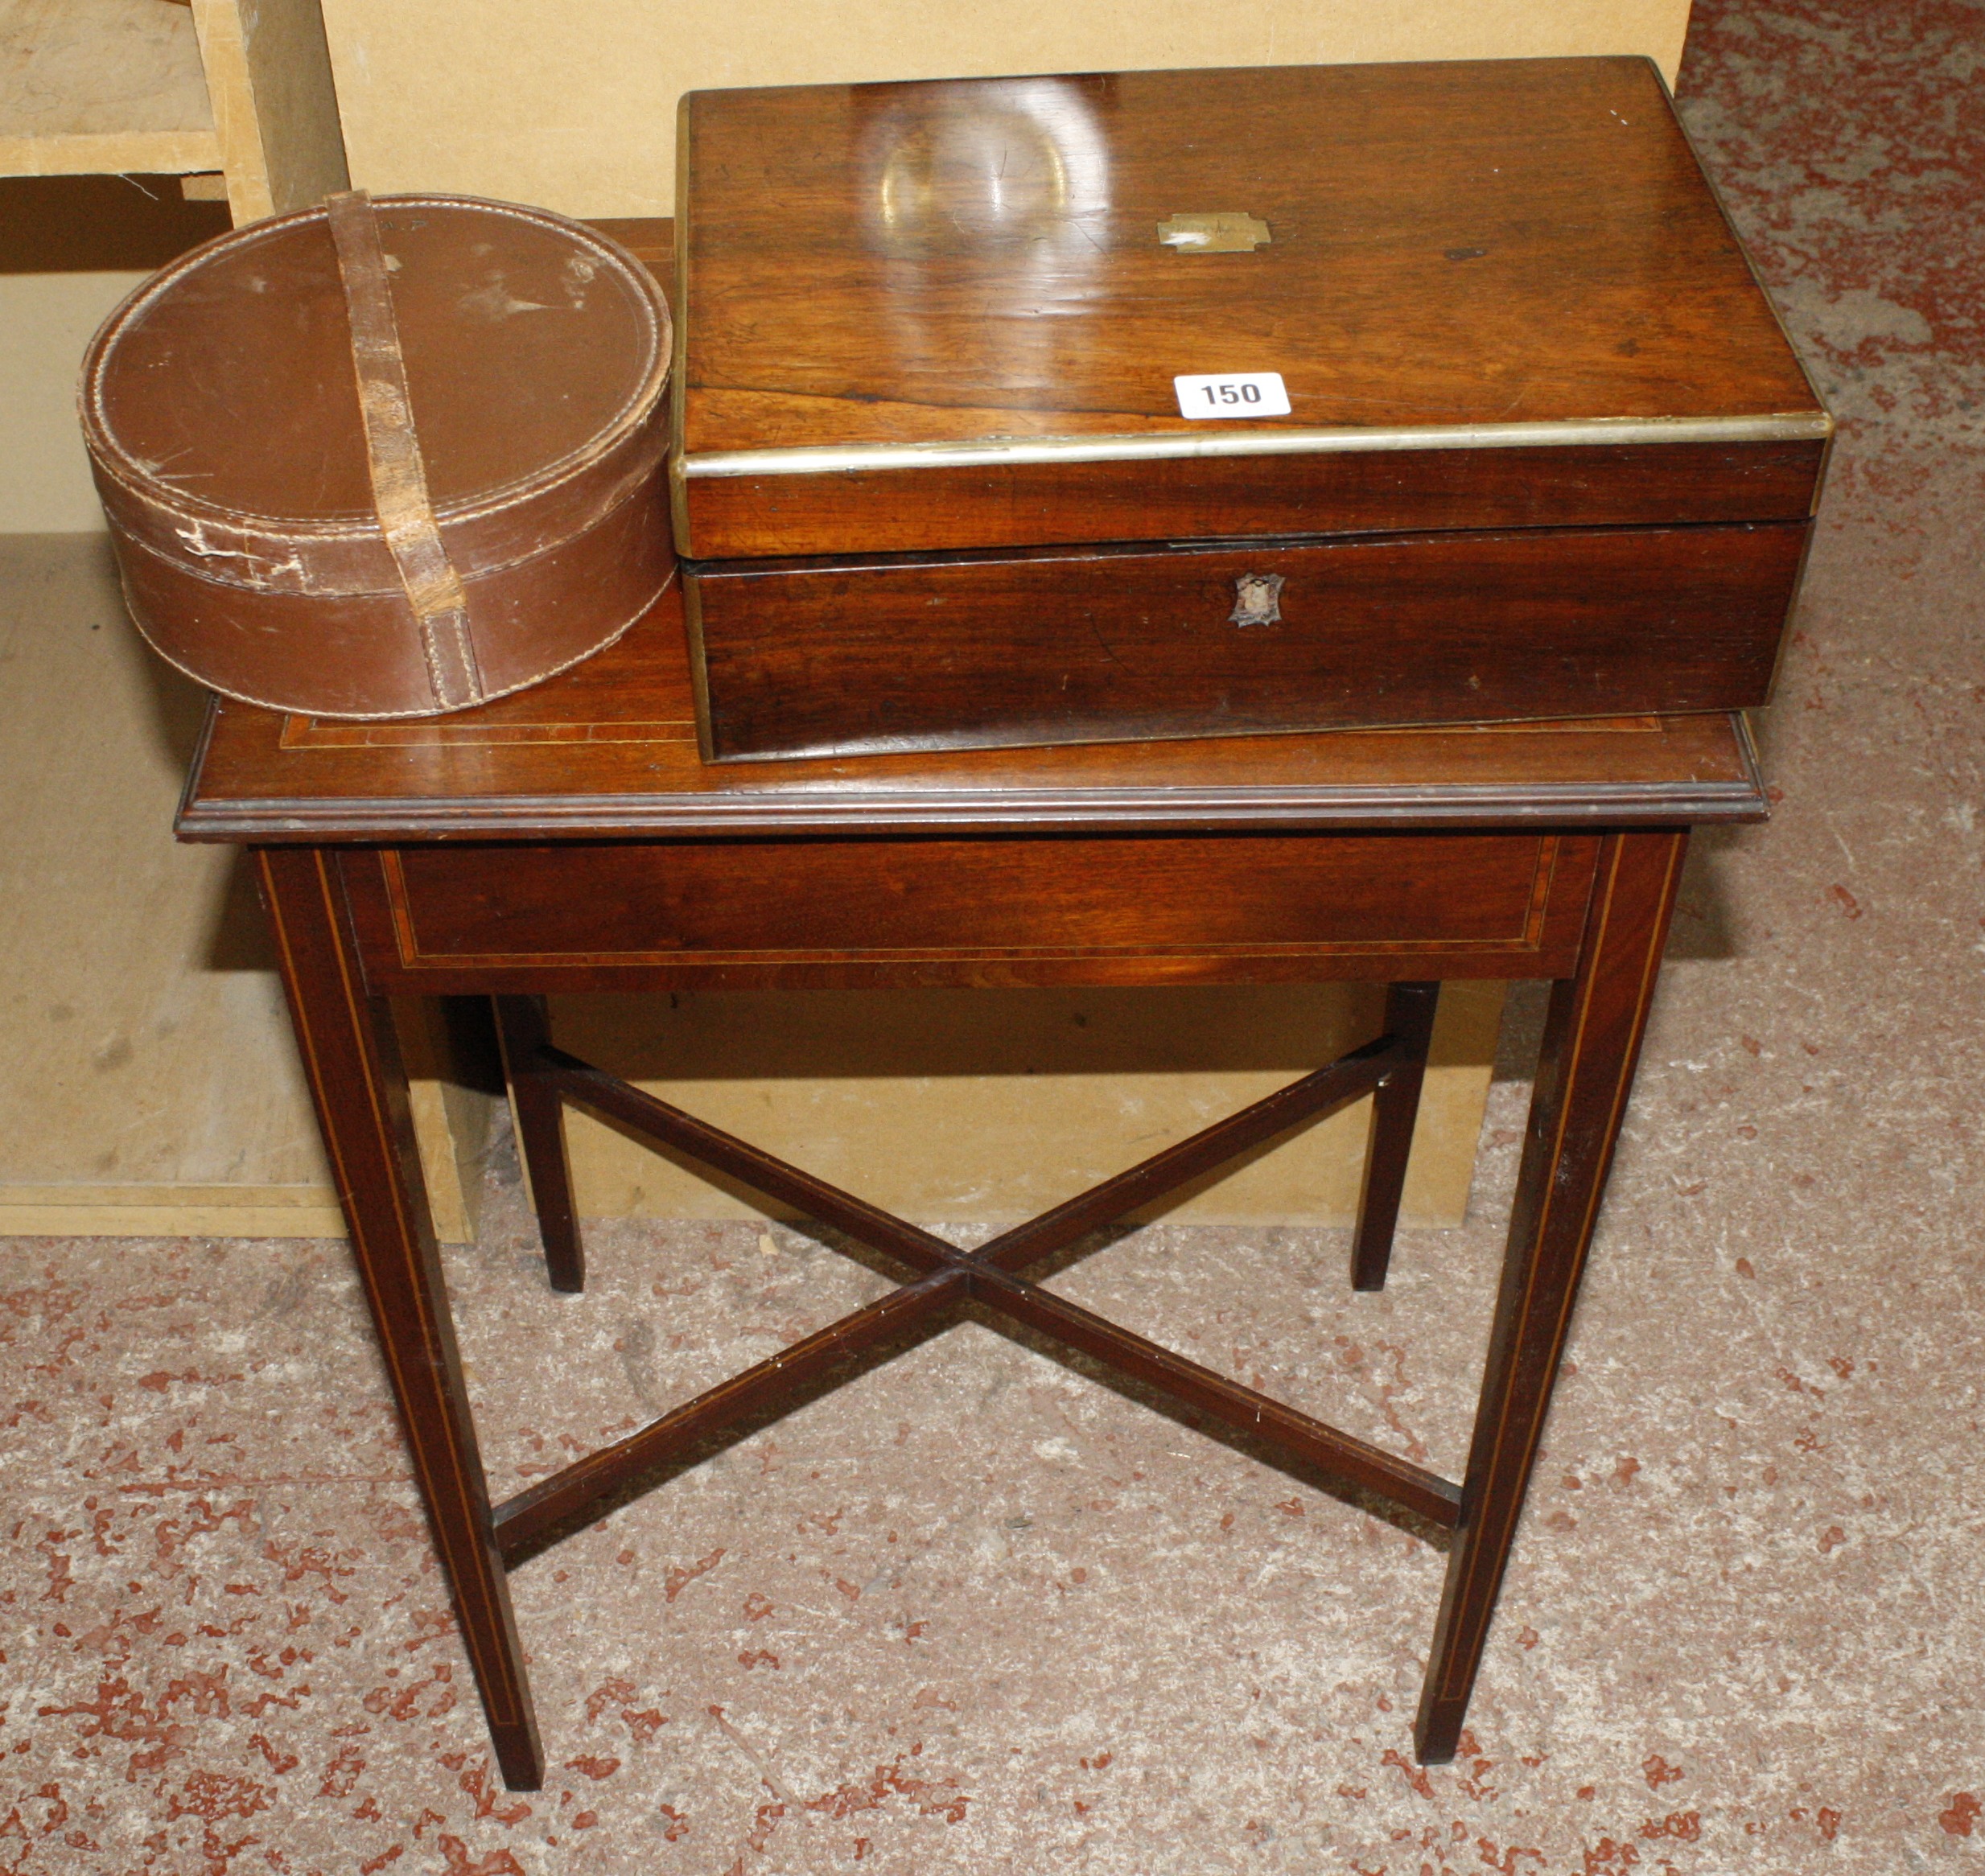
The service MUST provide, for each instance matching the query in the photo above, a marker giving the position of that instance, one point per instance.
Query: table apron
(987, 911)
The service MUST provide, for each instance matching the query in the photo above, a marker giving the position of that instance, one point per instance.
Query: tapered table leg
(523, 1028)
(351, 1058)
(1409, 1010)
(1592, 1042)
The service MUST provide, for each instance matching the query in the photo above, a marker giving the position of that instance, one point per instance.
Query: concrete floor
(976, 1614)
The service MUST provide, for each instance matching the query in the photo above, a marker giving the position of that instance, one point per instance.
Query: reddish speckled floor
(977, 1614)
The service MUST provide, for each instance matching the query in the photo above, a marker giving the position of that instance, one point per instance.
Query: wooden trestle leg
(1585, 1073)
(1409, 1010)
(524, 1029)
(353, 1059)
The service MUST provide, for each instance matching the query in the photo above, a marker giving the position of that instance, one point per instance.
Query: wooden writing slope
(1526, 440)
(568, 839)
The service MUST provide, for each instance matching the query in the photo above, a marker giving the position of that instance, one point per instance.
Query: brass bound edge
(1589, 433)
(678, 380)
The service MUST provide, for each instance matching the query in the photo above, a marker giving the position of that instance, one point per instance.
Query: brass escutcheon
(1257, 600)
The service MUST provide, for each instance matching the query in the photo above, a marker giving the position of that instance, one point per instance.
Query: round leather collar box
(387, 459)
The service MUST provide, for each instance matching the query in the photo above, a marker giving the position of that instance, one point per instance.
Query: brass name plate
(1227, 233)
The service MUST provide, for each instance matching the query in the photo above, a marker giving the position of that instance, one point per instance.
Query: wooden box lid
(950, 315)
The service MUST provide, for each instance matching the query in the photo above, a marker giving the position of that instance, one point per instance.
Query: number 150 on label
(1232, 394)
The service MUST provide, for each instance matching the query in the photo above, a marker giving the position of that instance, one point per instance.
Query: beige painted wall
(143, 1058)
(948, 1107)
(571, 103)
(47, 320)
(147, 1081)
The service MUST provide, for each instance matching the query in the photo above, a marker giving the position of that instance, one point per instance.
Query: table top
(608, 750)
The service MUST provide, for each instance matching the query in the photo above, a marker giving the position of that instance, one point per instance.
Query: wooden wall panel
(269, 76)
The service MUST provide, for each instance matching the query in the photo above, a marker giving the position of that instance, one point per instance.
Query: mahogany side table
(569, 840)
